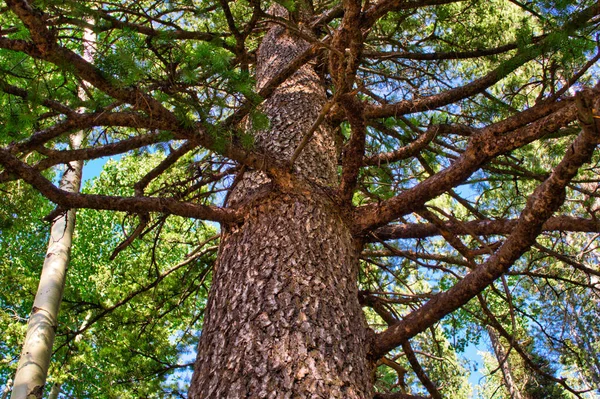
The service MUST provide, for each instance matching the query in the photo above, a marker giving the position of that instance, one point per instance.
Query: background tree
(123, 327)
(43, 322)
(431, 161)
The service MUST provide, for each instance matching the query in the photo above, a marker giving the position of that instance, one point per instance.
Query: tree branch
(481, 228)
(86, 121)
(69, 200)
(446, 55)
(404, 152)
(354, 150)
(173, 157)
(416, 366)
(382, 7)
(483, 146)
(545, 200)
(477, 86)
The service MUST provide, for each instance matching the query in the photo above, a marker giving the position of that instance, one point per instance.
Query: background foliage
(129, 325)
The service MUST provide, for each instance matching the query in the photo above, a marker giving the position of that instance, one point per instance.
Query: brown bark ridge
(283, 318)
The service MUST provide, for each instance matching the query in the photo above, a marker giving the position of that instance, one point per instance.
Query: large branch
(55, 157)
(62, 157)
(407, 151)
(382, 7)
(348, 40)
(479, 85)
(481, 228)
(354, 150)
(87, 121)
(545, 200)
(196, 133)
(69, 200)
(179, 34)
(45, 47)
(443, 55)
(447, 97)
(166, 163)
(418, 369)
(51, 104)
(487, 144)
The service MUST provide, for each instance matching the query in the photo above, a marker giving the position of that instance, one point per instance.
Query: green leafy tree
(126, 323)
(390, 179)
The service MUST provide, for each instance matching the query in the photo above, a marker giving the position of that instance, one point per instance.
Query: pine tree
(366, 161)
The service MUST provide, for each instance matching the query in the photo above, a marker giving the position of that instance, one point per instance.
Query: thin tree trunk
(283, 318)
(509, 380)
(6, 389)
(55, 391)
(57, 386)
(41, 329)
(34, 362)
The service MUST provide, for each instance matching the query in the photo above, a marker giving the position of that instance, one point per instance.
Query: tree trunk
(55, 391)
(34, 362)
(509, 380)
(41, 329)
(6, 389)
(283, 318)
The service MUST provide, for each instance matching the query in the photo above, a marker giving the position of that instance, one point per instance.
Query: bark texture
(283, 318)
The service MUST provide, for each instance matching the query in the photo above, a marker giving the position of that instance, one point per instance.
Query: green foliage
(152, 314)
(541, 387)
(141, 313)
(23, 241)
(289, 5)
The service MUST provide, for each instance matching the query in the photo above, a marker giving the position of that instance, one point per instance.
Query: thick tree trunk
(283, 318)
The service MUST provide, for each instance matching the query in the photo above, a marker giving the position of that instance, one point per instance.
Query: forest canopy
(337, 199)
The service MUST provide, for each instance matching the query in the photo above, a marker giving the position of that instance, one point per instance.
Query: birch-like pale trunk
(57, 386)
(43, 322)
(6, 389)
(34, 362)
(55, 391)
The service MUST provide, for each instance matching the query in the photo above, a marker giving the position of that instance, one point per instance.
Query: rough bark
(283, 318)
